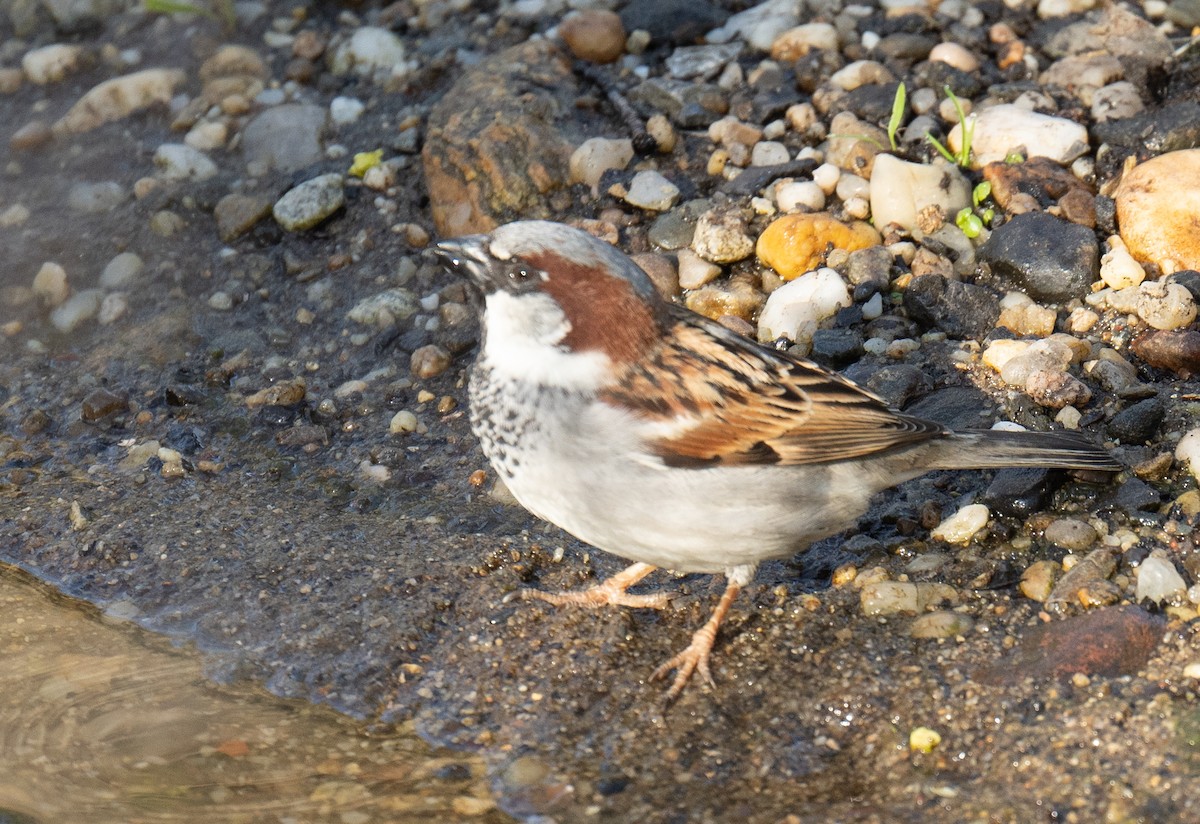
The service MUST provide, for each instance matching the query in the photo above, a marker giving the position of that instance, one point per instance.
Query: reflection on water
(96, 726)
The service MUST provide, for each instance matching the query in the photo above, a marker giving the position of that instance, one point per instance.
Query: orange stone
(795, 244)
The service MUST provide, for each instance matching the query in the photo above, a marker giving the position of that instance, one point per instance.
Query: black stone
(936, 75)
(872, 102)
(961, 310)
(836, 347)
(956, 407)
(1138, 423)
(1168, 129)
(678, 22)
(1047, 258)
(1018, 492)
(1189, 279)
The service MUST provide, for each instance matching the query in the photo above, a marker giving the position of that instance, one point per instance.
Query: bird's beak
(469, 255)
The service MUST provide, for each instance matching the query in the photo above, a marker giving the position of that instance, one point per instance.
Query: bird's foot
(609, 592)
(693, 658)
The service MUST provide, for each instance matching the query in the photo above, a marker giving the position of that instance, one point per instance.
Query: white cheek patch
(522, 341)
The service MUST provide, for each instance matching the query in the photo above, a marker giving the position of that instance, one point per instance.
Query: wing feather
(721, 399)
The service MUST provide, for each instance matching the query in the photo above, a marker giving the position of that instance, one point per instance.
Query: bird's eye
(519, 274)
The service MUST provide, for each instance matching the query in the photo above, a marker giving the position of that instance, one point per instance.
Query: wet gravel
(256, 440)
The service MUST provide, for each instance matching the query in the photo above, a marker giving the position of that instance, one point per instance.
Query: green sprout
(972, 219)
(970, 223)
(1013, 158)
(898, 103)
(222, 9)
(963, 157)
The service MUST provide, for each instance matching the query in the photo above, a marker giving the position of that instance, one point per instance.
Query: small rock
(1187, 451)
(1158, 580)
(703, 62)
(1118, 269)
(1107, 642)
(651, 191)
(594, 35)
(596, 156)
(1139, 423)
(237, 214)
(345, 110)
(1097, 566)
(695, 271)
(758, 25)
(961, 310)
(96, 198)
(369, 51)
(402, 423)
(738, 299)
(52, 63)
(1054, 389)
(207, 135)
(33, 135)
(1178, 351)
(956, 55)
(721, 237)
(940, 624)
(310, 203)
(798, 41)
(963, 525)
(1116, 102)
(287, 137)
(100, 403)
(429, 361)
(794, 310)
(284, 393)
(799, 195)
(112, 308)
(1037, 581)
(1071, 534)
(1002, 129)
(1165, 305)
(385, 308)
(901, 191)
(118, 98)
(1155, 201)
(50, 284)
(81, 306)
(121, 271)
(769, 153)
(178, 161)
(1050, 259)
(799, 243)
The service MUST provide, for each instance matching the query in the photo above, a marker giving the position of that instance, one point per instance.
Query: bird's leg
(609, 592)
(694, 658)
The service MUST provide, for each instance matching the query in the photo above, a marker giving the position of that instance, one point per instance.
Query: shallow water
(101, 722)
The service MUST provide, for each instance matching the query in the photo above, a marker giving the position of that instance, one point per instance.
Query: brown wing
(723, 399)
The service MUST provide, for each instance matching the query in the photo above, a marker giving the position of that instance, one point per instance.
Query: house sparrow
(660, 436)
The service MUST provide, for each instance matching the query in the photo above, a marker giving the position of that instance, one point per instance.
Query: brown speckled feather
(727, 400)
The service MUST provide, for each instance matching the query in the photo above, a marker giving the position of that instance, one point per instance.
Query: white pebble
(695, 271)
(769, 153)
(596, 156)
(955, 55)
(652, 191)
(50, 284)
(1187, 451)
(402, 423)
(1158, 580)
(345, 110)
(121, 270)
(799, 194)
(827, 176)
(793, 310)
(112, 308)
(1118, 269)
(81, 306)
(178, 161)
(962, 526)
(1165, 305)
(873, 308)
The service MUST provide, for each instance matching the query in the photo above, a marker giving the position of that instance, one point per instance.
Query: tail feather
(995, 448)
